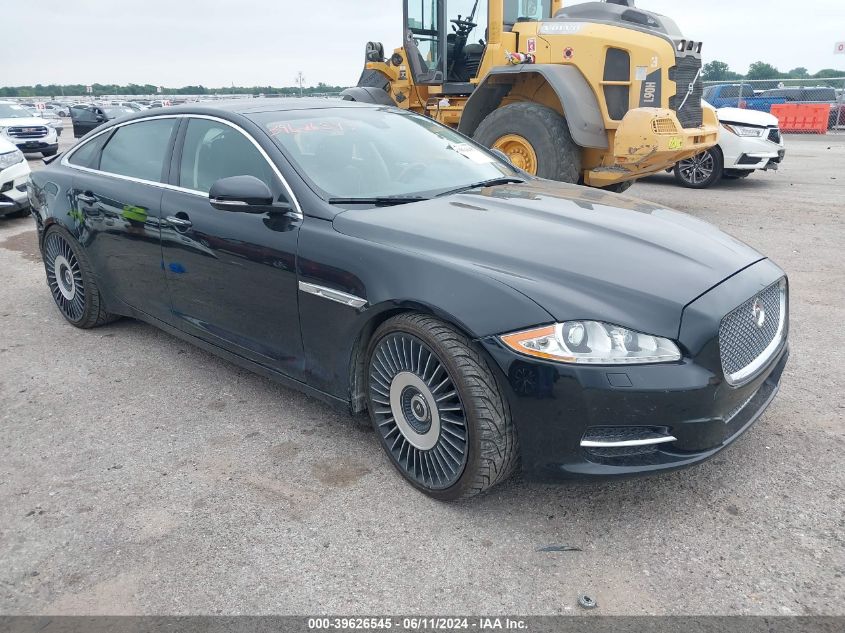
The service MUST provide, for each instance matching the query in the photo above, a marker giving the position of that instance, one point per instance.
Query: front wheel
(437, 409)
(702, 170)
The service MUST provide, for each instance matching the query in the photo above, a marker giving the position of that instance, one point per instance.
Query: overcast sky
(265, 42)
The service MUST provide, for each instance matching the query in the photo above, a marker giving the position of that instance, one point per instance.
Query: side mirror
(245, 194)
(100, 118)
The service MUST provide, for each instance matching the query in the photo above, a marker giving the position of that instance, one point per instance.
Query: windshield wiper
(379, 201)
(484, 183)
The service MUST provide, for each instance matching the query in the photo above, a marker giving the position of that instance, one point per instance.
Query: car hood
(579, 253)
(22, 122)
(746, 117)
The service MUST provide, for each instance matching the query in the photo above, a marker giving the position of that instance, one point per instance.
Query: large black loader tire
(548, 151)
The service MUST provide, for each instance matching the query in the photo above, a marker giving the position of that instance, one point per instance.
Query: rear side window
(213, 150)
(729, 91)
(139, 150)
(89, 154)
(747, 91)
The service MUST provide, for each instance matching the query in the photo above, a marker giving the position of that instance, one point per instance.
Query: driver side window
(214, 150)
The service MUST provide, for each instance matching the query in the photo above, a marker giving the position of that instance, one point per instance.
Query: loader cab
(445, 40)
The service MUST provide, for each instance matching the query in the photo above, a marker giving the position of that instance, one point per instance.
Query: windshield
(14, 111)
(369, 152)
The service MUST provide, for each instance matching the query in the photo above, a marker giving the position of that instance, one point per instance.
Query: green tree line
(78, 90)
(720, 71)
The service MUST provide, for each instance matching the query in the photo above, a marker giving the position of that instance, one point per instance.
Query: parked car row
(745, 97)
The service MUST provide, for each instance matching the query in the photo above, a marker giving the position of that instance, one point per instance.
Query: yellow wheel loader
(600, 93)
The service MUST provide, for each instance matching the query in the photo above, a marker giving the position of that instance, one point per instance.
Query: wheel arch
(575, 96)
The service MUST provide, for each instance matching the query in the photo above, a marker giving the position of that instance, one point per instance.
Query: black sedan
(373, 258)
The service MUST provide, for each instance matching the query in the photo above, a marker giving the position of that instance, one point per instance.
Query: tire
(701, 171)
(437, 409)
(556, 155)
(71, 281)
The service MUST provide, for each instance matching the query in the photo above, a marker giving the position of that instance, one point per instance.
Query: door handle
(179, 223)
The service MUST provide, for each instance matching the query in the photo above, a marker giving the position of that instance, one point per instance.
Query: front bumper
(13, 196)
(651, 140)
(556, 407)
(745, 153)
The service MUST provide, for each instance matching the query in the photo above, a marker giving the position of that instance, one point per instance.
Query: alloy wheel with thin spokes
(64, 276)
(698, 169)
(702, 170)
(418, 412)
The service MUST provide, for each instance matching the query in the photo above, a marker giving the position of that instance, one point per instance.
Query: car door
(117, 191)
(84, 120)
(231, 275)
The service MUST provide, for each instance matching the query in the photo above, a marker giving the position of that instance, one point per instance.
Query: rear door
(231, 275)
(117, 192)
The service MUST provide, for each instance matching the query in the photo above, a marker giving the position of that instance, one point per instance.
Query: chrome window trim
(333, 295)
(66, 158)
(744, 375)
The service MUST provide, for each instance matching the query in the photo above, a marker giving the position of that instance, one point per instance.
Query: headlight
(11, 158)
(592, 343)
(741, 130)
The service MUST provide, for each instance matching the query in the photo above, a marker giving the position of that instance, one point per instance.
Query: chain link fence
(764, 94)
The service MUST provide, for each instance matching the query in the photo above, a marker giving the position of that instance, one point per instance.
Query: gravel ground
(140, 475)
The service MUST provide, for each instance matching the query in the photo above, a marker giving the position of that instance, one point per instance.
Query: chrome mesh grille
(741, 341)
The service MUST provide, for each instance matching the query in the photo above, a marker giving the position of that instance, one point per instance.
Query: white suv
(14, 173)
(27, 132)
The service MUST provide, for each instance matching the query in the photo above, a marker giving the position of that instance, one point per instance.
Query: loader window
(425, 31)
(522, 10)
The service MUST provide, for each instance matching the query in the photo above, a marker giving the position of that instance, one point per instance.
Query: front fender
(390, 280)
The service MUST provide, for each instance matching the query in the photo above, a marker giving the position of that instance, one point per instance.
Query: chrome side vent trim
(333, 295)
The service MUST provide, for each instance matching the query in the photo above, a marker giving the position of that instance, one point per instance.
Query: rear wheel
(437, 409)
(535, 138)
(702, 170)
(72, 282)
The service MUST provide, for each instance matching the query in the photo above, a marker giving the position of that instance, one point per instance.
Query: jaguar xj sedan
(484, 320)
